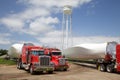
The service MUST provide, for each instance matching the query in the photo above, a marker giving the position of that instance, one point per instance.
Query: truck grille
(62, 61)
(44, 60)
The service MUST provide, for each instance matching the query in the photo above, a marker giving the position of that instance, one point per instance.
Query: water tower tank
(67, 9)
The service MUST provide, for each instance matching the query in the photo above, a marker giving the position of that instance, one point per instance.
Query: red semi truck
(111, 62)
(32, 58)
(59, 61)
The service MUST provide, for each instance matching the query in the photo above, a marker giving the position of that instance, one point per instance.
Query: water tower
(67, 27)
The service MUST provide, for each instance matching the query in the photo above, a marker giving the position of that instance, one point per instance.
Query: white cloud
(4, 39)
(42, 25)
(32, 13)
(56, 41)
(51, 39)
(12, 23)
(42, 9)
(94, 39)
(37, 19)
(55, 3)
(5, 34)
(54, 34)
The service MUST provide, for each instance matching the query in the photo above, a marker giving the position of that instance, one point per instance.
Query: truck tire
(110, 68)
(41, 72)
(65, 69)
(102, 67)
(31, 70)
(50, 72)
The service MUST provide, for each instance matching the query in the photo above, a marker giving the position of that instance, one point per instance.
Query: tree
(3, 52)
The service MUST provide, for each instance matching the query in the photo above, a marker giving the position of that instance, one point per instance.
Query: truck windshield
(38, 52)
(56, 53)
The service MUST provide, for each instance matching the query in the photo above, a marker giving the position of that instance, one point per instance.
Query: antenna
(67, 26)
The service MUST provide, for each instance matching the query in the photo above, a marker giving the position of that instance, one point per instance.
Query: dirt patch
(75, 72)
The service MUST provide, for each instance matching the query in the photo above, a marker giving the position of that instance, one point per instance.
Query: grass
(7, 62)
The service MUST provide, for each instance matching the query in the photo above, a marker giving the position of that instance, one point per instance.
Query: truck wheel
(50, 72)
(110, 68)
(102, 67)
(65, 69)
(40, 72)
(31, 70)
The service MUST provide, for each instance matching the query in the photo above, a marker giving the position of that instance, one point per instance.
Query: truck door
(28, 57)
(118, 57)
(24, 55)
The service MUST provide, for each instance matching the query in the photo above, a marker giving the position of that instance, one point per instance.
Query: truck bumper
(43, 68)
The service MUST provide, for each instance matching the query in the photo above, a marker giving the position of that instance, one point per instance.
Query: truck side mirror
(49, 54)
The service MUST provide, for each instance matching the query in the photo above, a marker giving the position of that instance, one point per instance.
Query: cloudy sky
(40, 21)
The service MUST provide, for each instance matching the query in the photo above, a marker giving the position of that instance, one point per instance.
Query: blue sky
(40, 21)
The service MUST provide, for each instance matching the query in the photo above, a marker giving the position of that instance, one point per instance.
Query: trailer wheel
(110, 68)
(102, 67)
(31, 70)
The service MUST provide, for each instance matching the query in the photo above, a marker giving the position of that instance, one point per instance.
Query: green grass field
(7, 62)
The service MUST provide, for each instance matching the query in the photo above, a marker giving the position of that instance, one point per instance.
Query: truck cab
(57, 58)
(34, 60)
